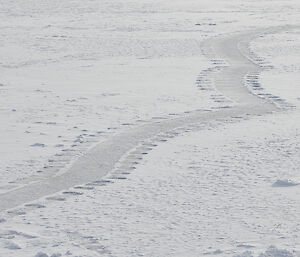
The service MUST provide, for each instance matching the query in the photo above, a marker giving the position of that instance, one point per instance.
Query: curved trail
(101, 159)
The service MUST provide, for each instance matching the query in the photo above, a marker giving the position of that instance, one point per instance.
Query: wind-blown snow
(76, 73)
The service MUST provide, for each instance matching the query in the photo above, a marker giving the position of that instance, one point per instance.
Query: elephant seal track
(103, 158)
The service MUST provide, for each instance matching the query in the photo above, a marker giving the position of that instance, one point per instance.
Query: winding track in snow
(101, 159)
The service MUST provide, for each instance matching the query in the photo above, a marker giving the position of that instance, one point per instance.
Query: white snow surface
(76, 73)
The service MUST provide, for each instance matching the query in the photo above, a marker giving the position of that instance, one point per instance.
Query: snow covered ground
(77, 73)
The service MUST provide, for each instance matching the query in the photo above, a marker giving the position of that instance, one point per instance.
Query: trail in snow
(101, 159)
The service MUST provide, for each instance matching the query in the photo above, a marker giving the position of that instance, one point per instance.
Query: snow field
(76, 73)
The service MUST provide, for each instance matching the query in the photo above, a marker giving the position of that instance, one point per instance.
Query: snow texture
(138, 128)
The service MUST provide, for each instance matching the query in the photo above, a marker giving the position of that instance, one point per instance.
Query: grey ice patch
(118, 177)
(245, 254)
(11, 246)
(56, 198)
(72, 193)
(214, 252)
(10, 234)
(40, 254)
(284, 183)
(245, 246)
(102, 181)
(274, 252)
(38, 145)
(35, 205)
(56, 255)
(17, 212)
(84, 187)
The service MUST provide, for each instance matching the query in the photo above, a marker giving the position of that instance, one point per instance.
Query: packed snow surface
(162, 128)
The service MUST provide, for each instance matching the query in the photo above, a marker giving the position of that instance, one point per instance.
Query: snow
(192, 164)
